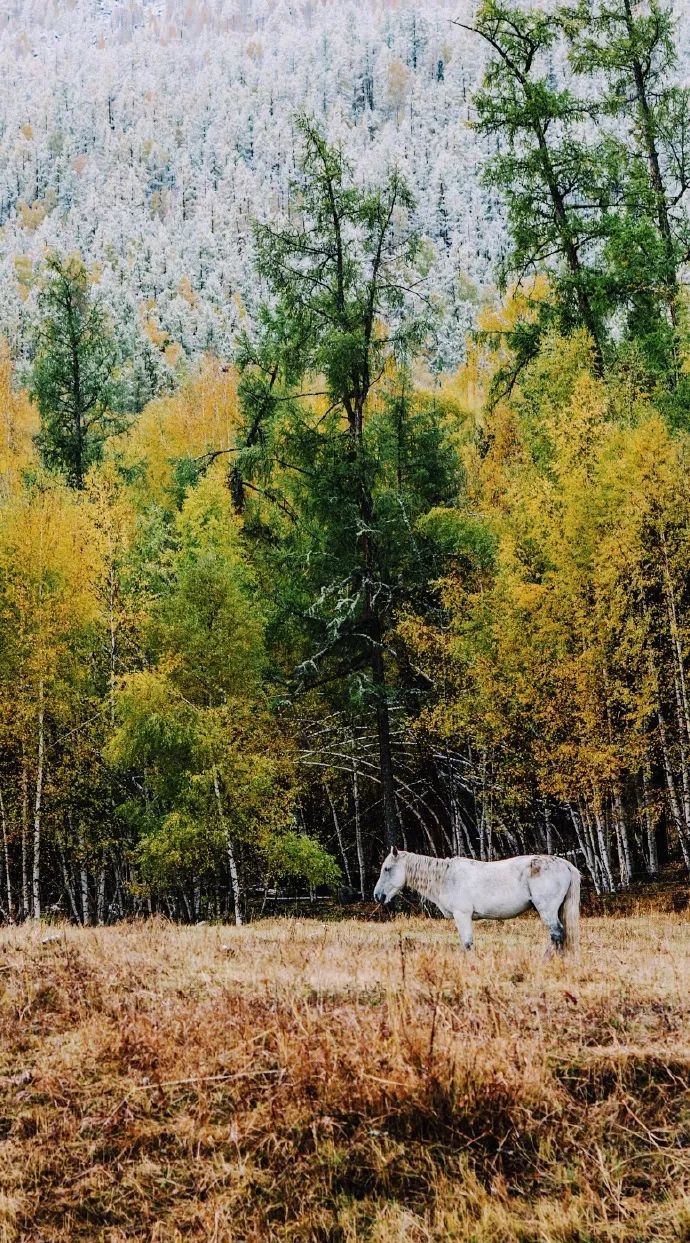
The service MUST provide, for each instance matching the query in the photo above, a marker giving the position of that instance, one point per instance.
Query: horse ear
(394, 852)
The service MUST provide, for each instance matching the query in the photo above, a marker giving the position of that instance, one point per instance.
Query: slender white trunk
(6, 853)
(84, 883)
(548, 831)
(196, 897)
(622, 841)
(461, 842)
(650, 834)
(234, 881)
(25, 836)
(100, 900)
(68, 883)
(232, 861)
(676, 813)
(602, 844)
(36, 869)
(585, 844)
(683, 765)
(358, 825)
(339, 835)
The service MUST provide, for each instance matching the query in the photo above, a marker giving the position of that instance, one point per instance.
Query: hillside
(148, 135)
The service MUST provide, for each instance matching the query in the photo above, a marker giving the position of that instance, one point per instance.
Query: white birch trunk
(339, 835)
(585, 844)
(36, 862)
(85, 917)
(100, 899)
(602, 846)
(232, 861)
(358, 825)
(6, 853)
(623, 843)
(676, 813)
(25, 836)
(650, 835)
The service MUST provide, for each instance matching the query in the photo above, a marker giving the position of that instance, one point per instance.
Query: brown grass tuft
(345, 1082)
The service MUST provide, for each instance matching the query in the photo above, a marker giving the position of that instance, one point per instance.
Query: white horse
(467, 889)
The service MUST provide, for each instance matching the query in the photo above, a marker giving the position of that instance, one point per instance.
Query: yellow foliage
(18, 426)
(398, 82)
(185, 291)
(32, 215)
(51, 564)
(201, 417)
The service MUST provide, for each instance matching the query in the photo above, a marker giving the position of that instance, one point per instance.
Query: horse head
(392, 878)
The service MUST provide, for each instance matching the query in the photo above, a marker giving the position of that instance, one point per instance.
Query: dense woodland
(148, 136)
(318, 594)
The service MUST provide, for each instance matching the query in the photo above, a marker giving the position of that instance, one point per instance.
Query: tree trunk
(622, 841)
(25, 836)
(339, 835)
(383, 727)
(100, 898)
(548, 830)
(602, 845)
(232, 862)
(6, 854)
(652, 857)
(36, 870)
(68, 884)
(677, 814)
(358, 824)
(585, 844)
(83, 877)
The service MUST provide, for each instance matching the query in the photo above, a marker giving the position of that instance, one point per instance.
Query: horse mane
(425, 874)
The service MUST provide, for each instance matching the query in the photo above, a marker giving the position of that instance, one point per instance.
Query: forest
(267, 610)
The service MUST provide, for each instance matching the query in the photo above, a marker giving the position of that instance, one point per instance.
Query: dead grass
(345, 1082)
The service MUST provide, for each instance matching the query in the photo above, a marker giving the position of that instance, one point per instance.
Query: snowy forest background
(148, 136)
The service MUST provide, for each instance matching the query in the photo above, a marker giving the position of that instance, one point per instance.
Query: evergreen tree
(630, 50)
(594, 177)
(543, 174)
(319, 429)
(73, 372)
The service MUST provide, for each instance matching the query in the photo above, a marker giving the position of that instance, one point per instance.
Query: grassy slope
(351, 1081)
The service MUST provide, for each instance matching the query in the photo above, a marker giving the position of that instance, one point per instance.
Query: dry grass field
(344, 1082)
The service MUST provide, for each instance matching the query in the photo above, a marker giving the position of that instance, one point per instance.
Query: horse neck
(425, 874)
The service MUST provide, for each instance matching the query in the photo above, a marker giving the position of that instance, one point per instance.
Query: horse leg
(463, 923)
(548, 913)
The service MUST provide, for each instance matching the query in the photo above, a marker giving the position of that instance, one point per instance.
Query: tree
(73, 372)
(630, 48)
(50, 570)
(316, 387)
(546, 180)
(594, 177)
(194, 726)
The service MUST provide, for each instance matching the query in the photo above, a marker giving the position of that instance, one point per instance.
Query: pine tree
(546, 180)
(341, 316)
(73, 372)
(631, 50)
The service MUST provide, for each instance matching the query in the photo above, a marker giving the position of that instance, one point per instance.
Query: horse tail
(570, 912)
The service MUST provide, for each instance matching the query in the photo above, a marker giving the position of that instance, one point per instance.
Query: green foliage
(594, 179)
(292, 855)
(73, 374)
(343, 455)
(180, 847)
(317, 596)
